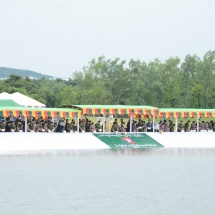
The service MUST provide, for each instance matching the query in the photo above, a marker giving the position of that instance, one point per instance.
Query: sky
(58, 37)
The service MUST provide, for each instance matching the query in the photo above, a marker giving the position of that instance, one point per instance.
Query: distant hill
(6, 72)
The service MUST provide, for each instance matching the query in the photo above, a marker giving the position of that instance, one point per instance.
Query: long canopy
(115, 109)
(39, 112)
(185, 113)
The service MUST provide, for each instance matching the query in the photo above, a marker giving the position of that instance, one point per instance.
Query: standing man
(149, 126)
(186, 126)
(180, 126)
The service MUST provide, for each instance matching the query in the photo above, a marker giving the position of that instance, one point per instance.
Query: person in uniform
(187, 126)
(128, 126)
(31, 125)
(180, 126)
(140, 126)
(12, 126)
(98, 127)
(50, 126)
(67, 126)
(171, 126)
(82, 126)
(114, 127)
(87, 126)
(2, 126)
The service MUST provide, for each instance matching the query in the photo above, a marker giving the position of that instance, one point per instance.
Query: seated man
(114, 127)
(98, 127)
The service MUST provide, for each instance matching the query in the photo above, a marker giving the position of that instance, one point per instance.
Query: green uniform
(186, 127)
(171, 127)
(31, 126)
(98, 127)
(82, 126)
(114, 128)
(50, 126)
(13, 126)
(140, 124)
(180, 127)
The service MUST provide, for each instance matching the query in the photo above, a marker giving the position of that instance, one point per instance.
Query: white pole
(103, 123)
(78, 125)
(25, 123)
(176, 124)
(153, 124)
(131, 123)
(197, 124)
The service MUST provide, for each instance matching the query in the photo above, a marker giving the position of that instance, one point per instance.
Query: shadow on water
(112, 152)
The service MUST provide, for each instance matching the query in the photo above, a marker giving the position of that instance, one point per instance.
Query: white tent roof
(22, 100)
(5, 95)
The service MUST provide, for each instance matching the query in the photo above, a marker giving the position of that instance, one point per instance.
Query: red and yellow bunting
(39, 114)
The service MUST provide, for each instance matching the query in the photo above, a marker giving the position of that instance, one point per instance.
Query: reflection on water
(109, 152)
(126, 181)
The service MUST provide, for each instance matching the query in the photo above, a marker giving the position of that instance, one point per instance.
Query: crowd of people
(188, 126)
(86, 125)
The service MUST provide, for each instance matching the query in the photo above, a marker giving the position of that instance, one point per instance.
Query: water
(158, 181)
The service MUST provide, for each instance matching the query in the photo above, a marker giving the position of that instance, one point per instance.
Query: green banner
(134, 140)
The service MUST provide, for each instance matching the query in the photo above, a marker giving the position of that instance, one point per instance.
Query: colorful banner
(134, 141)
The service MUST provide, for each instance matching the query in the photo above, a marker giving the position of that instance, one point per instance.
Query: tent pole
(104, 123)
(197, 123)
(153, 124)
(78, 125)
(25, 123)
(130, 123)
(176, 124)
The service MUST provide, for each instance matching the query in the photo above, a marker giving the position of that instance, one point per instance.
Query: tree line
(172, 83)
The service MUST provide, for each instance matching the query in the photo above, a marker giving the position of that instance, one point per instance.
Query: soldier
(87, 126)
(171, 126)
(31, 126)
(82, 126)
(187, 126)
(114, 127)
(40, 126)
(140, 126)
(128, 126)
(50, 126)
(200, 125)
(98, 127)
(180, 126)
(12, 126)
(67, 126)
(19, 126)
(2, 126)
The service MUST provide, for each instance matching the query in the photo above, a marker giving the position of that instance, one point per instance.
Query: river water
(157, 181)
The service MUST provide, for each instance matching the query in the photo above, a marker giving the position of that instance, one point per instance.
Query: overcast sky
(57, 37)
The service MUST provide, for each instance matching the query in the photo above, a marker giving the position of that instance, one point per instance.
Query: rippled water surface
(158, 181)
